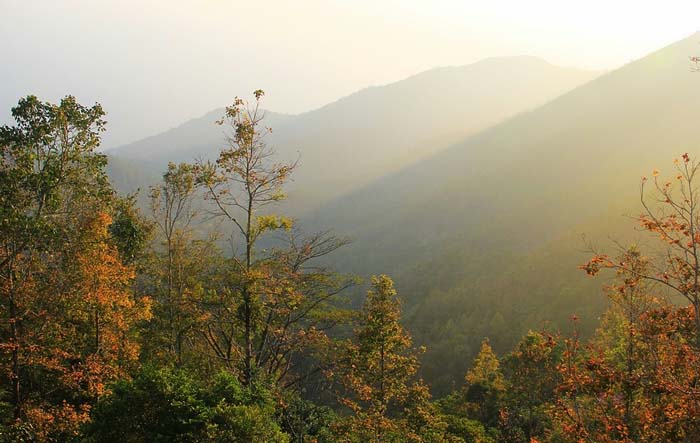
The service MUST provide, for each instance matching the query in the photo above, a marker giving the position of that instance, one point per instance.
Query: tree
(179, 264)
(280, 297)
(422, 420)
(673, 216)
(661, 355)
(102, 288)
(242, 182)
(173, 405)
(611, 392)
(485, 385)
(596, 400)
(300, 309)
(47, 159)
(531, 376)
(130, 230)
(620, 333)
(376, 368)
(43, 160)
(307, 422)
(66, 302)
(472, 413)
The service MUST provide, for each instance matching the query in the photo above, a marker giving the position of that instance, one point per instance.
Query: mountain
(357, 139)
(483, 238)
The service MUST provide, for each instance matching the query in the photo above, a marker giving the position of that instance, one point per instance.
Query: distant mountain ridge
(655, 98)
(359, 138)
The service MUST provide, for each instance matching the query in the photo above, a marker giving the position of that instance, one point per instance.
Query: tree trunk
(247, 308)
(14, 336)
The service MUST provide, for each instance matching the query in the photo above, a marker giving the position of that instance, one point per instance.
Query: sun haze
(156, 64)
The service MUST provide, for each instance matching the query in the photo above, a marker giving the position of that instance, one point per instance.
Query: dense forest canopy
(211, 306)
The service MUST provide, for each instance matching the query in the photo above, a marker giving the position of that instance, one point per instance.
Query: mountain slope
(378, 130)
(516, 197)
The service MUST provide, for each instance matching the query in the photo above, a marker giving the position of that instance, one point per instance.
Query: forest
(197, 311)
(333, 221)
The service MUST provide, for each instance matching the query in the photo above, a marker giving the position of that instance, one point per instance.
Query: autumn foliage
(69, 312)
(642, 384)
(115, 326)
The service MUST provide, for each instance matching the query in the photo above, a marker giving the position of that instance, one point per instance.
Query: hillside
(492, 225)
(357, 139)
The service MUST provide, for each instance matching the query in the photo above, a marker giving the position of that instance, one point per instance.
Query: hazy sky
(155, 64)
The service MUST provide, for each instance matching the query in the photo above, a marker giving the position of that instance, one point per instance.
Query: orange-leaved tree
(641, 384)
(65, 297)
(672, 214)
(375, 369)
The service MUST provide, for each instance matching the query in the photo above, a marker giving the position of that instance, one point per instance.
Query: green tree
(485, 385)
(532, 377)
(307, 422)
(130, 230)
(173, 405)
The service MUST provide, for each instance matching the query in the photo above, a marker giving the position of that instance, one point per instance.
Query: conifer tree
(485, 385)
(378, 366)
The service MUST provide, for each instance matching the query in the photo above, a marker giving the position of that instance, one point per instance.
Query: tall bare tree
(279, 297)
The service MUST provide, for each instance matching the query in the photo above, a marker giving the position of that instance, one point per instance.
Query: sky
(155, 64)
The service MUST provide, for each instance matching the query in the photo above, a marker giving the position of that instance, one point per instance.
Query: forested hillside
(483, 237)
